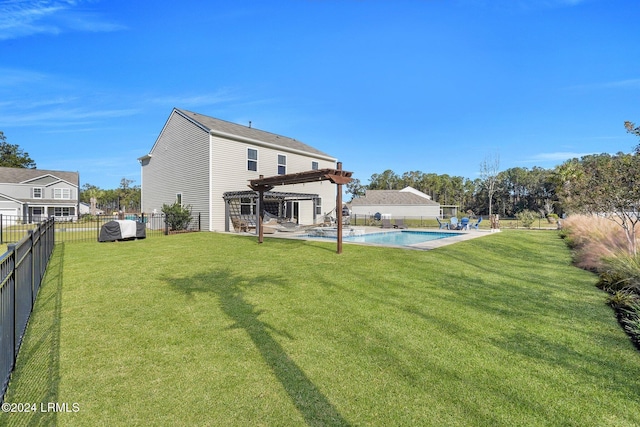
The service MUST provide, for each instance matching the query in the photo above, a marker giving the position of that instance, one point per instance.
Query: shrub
(552, 218)
(620, 272)
(593, 239)
(526, 217)
(177, 216)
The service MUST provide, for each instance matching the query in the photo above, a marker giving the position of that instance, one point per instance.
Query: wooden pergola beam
(336, 176)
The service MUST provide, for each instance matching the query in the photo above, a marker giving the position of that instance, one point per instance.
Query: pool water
(396, 238)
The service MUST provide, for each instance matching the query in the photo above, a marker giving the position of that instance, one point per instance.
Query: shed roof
(213, 124)
(24, 175)
(391, 197)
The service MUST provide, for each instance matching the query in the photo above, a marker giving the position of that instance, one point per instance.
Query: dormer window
(37, 193)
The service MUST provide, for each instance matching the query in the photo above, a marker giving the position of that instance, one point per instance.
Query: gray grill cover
(122, 230)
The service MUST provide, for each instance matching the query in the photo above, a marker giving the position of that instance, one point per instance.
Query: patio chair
(442, 224)
(454, 223)
(464, 223)
(477, 223)
(399, 223)
(386, 223)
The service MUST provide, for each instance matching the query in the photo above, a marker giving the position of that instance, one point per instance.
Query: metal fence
(87, 228)
(22, 268)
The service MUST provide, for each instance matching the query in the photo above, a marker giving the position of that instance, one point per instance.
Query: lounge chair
(399, 223)
(442, 224)
(386, 223)
(464, 223)
(477, 223)
(454, 223)
(270, 227)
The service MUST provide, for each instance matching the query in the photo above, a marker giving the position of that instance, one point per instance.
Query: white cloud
(20, 18)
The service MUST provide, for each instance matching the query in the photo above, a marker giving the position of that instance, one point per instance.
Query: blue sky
(409, 85)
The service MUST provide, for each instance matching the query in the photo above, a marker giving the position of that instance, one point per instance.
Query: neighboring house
(407, 202)
(85, 209)
(206, 163)
(35, 194)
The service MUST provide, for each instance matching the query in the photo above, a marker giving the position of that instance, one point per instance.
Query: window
(252, 159)
(37, 193)
(314, 166)
(247, 207)
(318, 206)
(179, 199)
(282, 164)
(62, 211)
(62, 193)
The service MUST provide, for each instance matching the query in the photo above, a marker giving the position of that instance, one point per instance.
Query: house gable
(43, 180)
(201, 157)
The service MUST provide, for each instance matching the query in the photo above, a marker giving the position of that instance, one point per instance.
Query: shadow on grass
(312, 404)
(37, 374)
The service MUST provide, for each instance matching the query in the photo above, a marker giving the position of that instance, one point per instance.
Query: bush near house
(177, 216)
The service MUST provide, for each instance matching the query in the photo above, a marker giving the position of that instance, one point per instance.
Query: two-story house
(206, 163)
(36, 194)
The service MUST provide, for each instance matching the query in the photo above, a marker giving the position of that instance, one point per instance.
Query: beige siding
(230, 174)
(178, 164)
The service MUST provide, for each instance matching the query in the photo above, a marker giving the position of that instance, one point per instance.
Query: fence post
(1, 230)
(32, 266)
(12, 249)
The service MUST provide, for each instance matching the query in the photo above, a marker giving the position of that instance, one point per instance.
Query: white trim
(210, 191)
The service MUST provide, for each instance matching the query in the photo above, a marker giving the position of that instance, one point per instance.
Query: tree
(129, 196)
(355, 188)
(387, 180)
(489, 175)
(13, 156)
(606, 186)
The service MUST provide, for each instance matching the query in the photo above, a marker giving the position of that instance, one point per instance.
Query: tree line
(125, 198)
(594, 183)
(515, 190)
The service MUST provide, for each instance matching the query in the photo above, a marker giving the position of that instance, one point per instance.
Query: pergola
(336, 176)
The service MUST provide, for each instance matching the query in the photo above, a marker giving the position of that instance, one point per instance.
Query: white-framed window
(252, 159)
(37, 193)
(247, 207)
(62, 193)
(314, 166)
(179, 199)
(282, 164)
(62, 211)
(319, 206)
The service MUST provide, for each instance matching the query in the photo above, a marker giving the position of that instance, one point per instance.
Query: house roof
(391, 197)
(217, 125)
(23, 175)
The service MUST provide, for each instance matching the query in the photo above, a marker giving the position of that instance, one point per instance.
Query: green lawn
(214, 329)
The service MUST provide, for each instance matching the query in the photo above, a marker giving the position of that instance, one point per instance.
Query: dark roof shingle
(20, 175)
(214, 124)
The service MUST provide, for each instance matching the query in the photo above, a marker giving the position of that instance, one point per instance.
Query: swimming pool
(393, 238)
